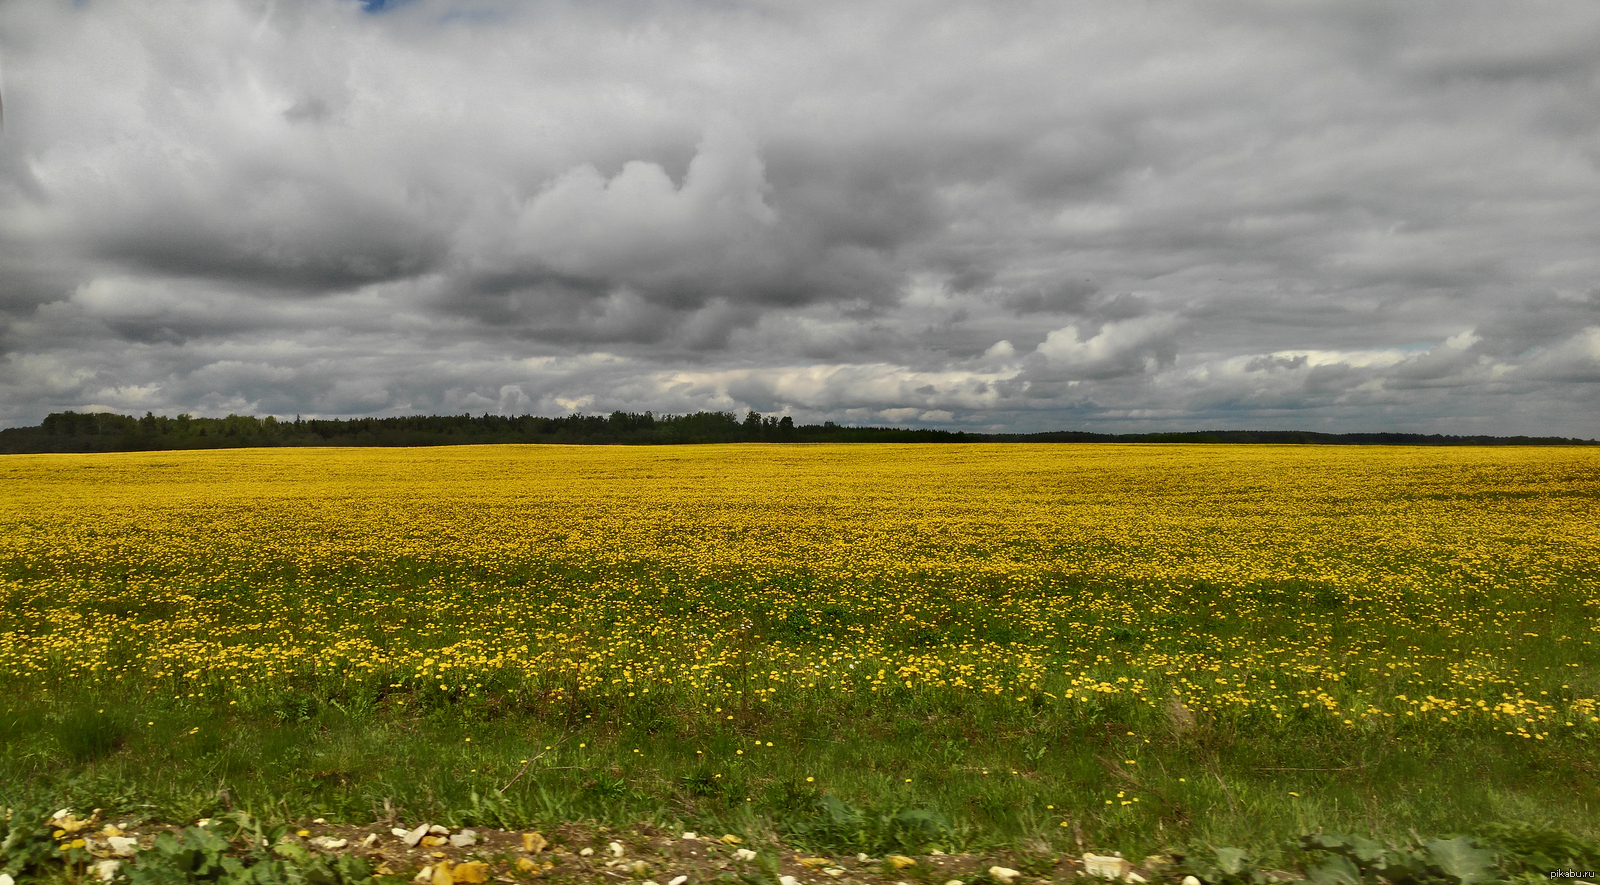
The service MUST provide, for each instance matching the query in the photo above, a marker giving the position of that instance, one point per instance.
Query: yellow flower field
(1354, 587)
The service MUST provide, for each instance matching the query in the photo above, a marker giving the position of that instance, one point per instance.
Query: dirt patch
(431, 854)
(585, 854)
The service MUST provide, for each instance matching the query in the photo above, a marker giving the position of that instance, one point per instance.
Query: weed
(87, 734)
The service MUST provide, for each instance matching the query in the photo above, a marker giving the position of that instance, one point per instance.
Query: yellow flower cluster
(1359, 585)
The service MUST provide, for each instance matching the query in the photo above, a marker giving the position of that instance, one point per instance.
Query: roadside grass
(897, 771)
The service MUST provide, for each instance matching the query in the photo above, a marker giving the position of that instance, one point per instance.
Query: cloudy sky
(1121, 215)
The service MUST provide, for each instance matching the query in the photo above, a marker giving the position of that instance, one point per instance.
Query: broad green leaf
(1232, 860)
(1336, 870)
(1366, 852)
(1461, 860)
(1324, 842)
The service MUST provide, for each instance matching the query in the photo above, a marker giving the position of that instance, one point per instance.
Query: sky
(1129, 215)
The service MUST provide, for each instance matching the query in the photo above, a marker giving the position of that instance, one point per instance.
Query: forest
(109, 432)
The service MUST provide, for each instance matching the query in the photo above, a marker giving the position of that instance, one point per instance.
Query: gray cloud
(1220, 213)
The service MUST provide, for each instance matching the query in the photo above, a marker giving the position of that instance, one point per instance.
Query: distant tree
(106, 432)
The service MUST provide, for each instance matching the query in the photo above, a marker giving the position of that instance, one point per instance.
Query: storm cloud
(1331, 214)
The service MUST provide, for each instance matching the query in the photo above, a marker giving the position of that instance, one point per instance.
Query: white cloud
(1576, 359)
(640, 226)
(1120, 347)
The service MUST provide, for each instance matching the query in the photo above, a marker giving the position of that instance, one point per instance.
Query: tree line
(108, 432)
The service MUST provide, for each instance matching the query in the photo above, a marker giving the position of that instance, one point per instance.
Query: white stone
(586, 852)
(5, 879)
(617, 850)
(688, 837)
(412, 837)
(788, 880)
(318, 821)
(106, 870)
(745, 854)
(328, 843)
(464, 839)
(955, 882)
(122, 846)
(370, 840)
(678, 880)
(1133, 878)
(1106, 866)
(1190, 880)
(424, 876)
(1003, 875)
(438, 830)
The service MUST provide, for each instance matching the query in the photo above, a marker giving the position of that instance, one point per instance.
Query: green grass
(899, 771)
